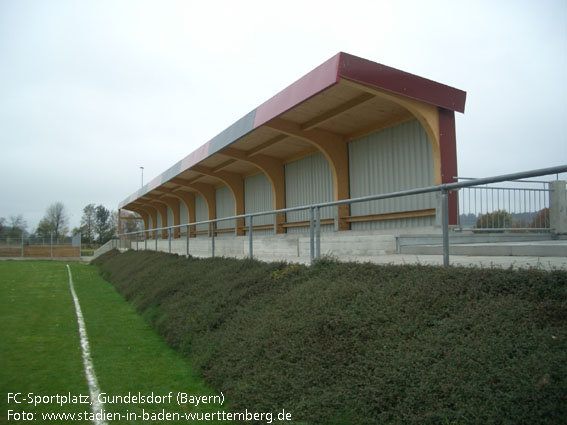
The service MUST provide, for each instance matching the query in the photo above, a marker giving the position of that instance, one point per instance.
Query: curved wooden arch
(143, 214)
(235, 183)
(275, 172)
(188, 199)
(439, 125)
(427, 114)
(152, 213)
(173, 205)
(335, 150)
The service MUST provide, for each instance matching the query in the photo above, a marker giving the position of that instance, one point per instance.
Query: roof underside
(332, 99)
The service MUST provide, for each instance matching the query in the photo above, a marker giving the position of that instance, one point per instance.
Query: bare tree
(13, 227)
(18, 222)
(18, 225)
(55, 220)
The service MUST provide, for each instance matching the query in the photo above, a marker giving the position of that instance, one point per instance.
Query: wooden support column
(119, 223)
(335, 149)
(448, 147)
(208, 194)
(274, 170)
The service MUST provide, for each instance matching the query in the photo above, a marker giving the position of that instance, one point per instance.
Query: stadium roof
(342, 100)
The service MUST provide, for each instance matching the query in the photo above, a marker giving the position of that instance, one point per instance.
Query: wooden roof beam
(314, 136)
(329, 115)
(223, 165)
(266, 144)
(183, 182)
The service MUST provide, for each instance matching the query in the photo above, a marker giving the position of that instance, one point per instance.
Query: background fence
(519, 206)
(41, 247)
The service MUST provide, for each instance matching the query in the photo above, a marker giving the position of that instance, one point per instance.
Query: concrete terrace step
(532, 249)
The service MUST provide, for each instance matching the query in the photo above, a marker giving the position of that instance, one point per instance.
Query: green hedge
(344, 343)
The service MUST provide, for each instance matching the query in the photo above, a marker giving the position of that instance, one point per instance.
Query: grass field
(40, 351)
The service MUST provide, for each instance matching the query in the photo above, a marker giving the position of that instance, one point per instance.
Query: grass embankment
(41, 354)
(359, 343)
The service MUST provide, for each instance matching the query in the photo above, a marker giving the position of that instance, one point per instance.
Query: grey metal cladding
(307, 181)
(171, 172)
(240, 128)
(183, 213)
(258, 196)
(201, 213)
(224, 207)
(169, 216)
(392, 160)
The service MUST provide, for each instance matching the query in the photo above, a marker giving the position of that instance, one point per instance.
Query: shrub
(495, 220)
(340, 343)
(541, 219)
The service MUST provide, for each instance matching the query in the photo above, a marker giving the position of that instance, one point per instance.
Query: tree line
(98, 224)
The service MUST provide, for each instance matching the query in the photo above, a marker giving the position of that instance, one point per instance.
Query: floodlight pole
(142, 168)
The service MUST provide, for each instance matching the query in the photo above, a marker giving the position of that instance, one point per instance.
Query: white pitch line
(96, 405)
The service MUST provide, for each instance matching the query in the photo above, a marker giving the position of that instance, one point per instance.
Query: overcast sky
(92, 90)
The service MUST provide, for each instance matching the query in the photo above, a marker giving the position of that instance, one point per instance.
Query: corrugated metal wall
(259, 196)
(159, 223)
(201, 213)
(183, 214)
(225, 207)
(170, 221)
(396, 159)
(307, 181)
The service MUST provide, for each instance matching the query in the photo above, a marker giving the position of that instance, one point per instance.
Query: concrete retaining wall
(291, 247)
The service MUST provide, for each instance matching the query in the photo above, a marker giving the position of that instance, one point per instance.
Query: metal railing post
(311, 236)
(250, 253)
(213, 239)
(156, 238)
(145, 241)
(187, 236)
(275, 223)
(22, 243)
(336, 218)
(318, 233)
(169, 240)
(51, 245)
(445, 226)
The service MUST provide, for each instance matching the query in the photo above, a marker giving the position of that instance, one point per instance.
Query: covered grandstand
(348, 128)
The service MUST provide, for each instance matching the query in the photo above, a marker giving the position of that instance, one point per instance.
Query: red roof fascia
(400, 82)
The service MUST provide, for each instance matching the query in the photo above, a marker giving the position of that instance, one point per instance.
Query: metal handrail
(315, 216)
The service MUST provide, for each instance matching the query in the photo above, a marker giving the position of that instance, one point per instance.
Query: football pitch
(44, 373)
